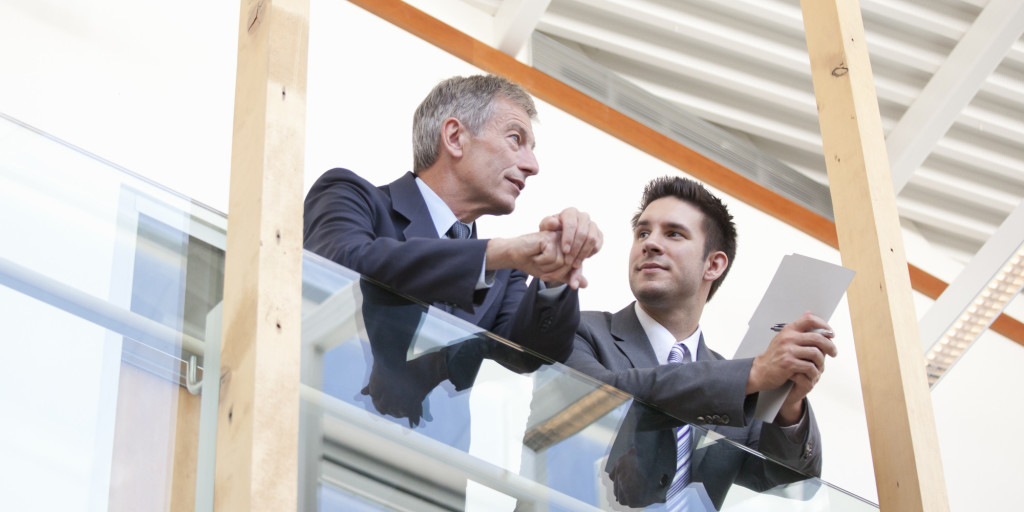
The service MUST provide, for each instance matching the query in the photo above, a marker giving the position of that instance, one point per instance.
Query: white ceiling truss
(949, 76)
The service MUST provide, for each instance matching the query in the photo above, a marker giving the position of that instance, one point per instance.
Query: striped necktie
(680, 354)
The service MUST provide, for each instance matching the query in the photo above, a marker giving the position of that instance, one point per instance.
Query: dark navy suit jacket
(386, 233)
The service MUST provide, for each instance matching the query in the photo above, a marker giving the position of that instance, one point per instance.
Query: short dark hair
(468, 99)
(719, 229)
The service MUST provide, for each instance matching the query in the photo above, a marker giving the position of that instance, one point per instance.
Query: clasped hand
(555, 253)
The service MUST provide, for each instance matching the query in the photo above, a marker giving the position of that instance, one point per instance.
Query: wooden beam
(156, 434)
(901, 423)
(257, 431)
(642, 137)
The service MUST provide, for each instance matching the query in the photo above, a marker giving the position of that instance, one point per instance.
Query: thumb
(550, 223)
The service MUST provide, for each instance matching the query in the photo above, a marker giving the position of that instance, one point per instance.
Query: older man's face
(497, 161)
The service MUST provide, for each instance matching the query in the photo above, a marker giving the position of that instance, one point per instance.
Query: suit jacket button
(716, 419)
(700, 419)
(725, 419)
(663, 481)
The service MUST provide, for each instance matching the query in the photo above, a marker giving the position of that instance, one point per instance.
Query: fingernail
(566, 247)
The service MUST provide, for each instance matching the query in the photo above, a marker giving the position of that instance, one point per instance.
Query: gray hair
(468, 99)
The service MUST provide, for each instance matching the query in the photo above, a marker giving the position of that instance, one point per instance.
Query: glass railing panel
(405, 407)
(107, 283)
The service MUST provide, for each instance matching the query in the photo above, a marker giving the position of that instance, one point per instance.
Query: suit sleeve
(544, 325)
(802, 454)
(695, 393)
(349, 221)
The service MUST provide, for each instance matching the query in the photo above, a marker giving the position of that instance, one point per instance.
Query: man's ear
(452, 134)
(715, 265)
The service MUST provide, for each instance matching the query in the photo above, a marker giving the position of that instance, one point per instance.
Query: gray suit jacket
(709, 392)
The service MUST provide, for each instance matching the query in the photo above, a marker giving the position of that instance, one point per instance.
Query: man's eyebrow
(521, 128)
(671, 225)
(677, 226)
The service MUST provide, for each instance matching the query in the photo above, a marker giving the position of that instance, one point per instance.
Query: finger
(548, 256)
(808, 322)
(580, 239)
(569, 226)
(811, 355)
(589, 248)
(801, 386)
(806, 368)
(820, 341)
(578, 278)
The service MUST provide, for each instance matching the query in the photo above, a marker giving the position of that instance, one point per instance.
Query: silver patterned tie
(459, 230)
(680, 354)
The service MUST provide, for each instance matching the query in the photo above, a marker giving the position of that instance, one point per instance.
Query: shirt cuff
(797, 432)
(486, 279)
(549, 293)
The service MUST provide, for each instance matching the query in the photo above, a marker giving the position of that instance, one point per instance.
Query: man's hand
(580, 238)
(401, 391)
(797, 353)
(537, 254)
(555, 253)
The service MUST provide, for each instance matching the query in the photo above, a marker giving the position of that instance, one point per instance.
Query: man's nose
(651, 246)
(528, 162)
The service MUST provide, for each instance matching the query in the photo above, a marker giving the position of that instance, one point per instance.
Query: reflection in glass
(407, 407)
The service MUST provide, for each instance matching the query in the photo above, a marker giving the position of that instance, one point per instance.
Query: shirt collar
(661, 339)
(439, 212)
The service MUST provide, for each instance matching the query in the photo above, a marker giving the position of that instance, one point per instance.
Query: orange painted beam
(638, 135)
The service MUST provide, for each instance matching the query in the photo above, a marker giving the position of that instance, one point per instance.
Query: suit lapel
(703, 352)
(407, 201)
(631, 339)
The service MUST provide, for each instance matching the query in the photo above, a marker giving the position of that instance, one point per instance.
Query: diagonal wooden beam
(628, 130)
(897, 402)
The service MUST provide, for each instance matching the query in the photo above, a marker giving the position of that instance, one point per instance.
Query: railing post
(257, 431)
(901, 424)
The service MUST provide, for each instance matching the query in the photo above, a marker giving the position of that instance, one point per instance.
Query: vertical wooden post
(901, 424)
(257, 431)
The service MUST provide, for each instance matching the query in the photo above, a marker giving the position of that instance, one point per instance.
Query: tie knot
(679, 354)
(459, 230)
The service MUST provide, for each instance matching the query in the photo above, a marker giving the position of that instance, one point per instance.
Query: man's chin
(650, 292)
(504, 207)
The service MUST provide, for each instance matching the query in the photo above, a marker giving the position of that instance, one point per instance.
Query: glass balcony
(405, 407)
(108, 282)
(111, 287)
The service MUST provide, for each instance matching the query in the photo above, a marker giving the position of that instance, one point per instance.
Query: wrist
(496, 255)
(790, 414)
(754, 378)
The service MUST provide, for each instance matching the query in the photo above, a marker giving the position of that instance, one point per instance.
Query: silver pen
(824, 332)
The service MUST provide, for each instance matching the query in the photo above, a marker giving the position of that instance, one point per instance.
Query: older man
(473, 147)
